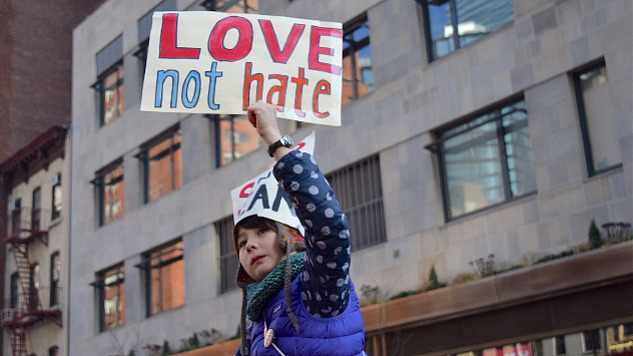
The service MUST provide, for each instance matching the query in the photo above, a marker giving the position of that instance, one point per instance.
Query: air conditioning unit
(7, 315)
(56, 178)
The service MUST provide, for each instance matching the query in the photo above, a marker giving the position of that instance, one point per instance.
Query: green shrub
(555, 256)
(194, 342)
(434, 283)
(404, 294)
(594, 235)
(166, 349)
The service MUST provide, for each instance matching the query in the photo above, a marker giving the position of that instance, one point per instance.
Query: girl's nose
(250, 245)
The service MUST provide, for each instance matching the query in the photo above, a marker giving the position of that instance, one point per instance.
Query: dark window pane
(457, 23)
(486, 160)
(597, 116)
(358, 79)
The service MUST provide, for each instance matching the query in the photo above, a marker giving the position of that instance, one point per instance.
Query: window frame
(100, 91)
(55, 280)
(100, 285)
(455, 37)
(348, 32)
(176, 173)
(220, 138)
(437, 147)
(360, 196)
(100, 186)
(582, 115)
(57, 187)
(36, 209)
(146, 266)
(224, 233)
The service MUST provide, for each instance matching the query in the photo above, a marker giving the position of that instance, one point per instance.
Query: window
(34, 286)
(228, 255)
(452, 24)
(591, 340)
(111, 95)
(144, 27)
(110, 192)
(358, 78)
(56, 269)
(164, 271)
(109, 85)
(162, 163)
(486, 160)
(56, 205)
(16, 216)
(559, 342)
(36, 212)
(596, 111)
(110, 288)
(15, 290)
(232, 6)
(359, 191)
(235, 137)
(53, 351)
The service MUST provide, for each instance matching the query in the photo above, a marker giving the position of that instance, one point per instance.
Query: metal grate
(358, 188)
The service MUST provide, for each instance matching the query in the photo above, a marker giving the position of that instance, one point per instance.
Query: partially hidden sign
(264, 196)
(212, 62)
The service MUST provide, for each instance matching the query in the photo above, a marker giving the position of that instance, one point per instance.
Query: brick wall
(35, 67)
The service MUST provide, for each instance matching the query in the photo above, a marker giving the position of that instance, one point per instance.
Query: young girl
(299, 303)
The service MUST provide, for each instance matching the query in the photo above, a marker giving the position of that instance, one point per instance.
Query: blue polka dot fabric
(325, 281)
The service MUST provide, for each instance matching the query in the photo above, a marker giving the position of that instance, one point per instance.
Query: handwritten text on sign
(211, 62)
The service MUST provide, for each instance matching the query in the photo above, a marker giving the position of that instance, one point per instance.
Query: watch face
(286, 141)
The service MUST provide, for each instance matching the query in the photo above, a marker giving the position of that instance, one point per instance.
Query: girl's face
(259, 251)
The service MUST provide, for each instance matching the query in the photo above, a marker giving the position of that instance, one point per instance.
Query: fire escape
(24, 309)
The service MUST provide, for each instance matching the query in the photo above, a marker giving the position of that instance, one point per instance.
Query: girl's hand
(263, 117)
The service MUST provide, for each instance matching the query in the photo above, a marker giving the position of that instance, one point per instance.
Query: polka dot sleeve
(325, 282)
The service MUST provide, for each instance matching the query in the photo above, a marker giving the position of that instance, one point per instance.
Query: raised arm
(325, 283)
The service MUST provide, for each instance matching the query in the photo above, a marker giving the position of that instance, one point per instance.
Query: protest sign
(263, 196)
(212, 62)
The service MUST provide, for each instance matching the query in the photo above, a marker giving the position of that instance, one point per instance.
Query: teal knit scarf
(258, 294)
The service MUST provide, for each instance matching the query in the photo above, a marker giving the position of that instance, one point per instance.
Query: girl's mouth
(256, 259)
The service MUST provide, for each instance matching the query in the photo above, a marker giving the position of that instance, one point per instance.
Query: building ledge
(564, 276)
(512, 290)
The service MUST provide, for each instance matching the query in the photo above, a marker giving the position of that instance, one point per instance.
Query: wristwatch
(285, 141)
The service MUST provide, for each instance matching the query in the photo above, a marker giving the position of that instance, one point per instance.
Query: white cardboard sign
(213, 62)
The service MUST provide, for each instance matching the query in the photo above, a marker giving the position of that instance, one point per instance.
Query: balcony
(24, 310)
(27, 224)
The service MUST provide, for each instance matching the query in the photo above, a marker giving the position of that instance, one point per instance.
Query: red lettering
(316, 50)
(322, 87)
(300, 146)
(280, 56)
(281, 89)
(168, 47)
(245, 192)
(244, 42)
(248, 79)
(300, 80)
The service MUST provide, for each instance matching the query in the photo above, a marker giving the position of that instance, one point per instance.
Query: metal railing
(25, 218)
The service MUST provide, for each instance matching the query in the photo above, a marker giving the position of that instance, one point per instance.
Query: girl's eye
(262, 231)
(241, 244)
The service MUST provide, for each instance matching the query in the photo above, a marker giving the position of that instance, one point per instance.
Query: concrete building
(467, 148)
(33, 315)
